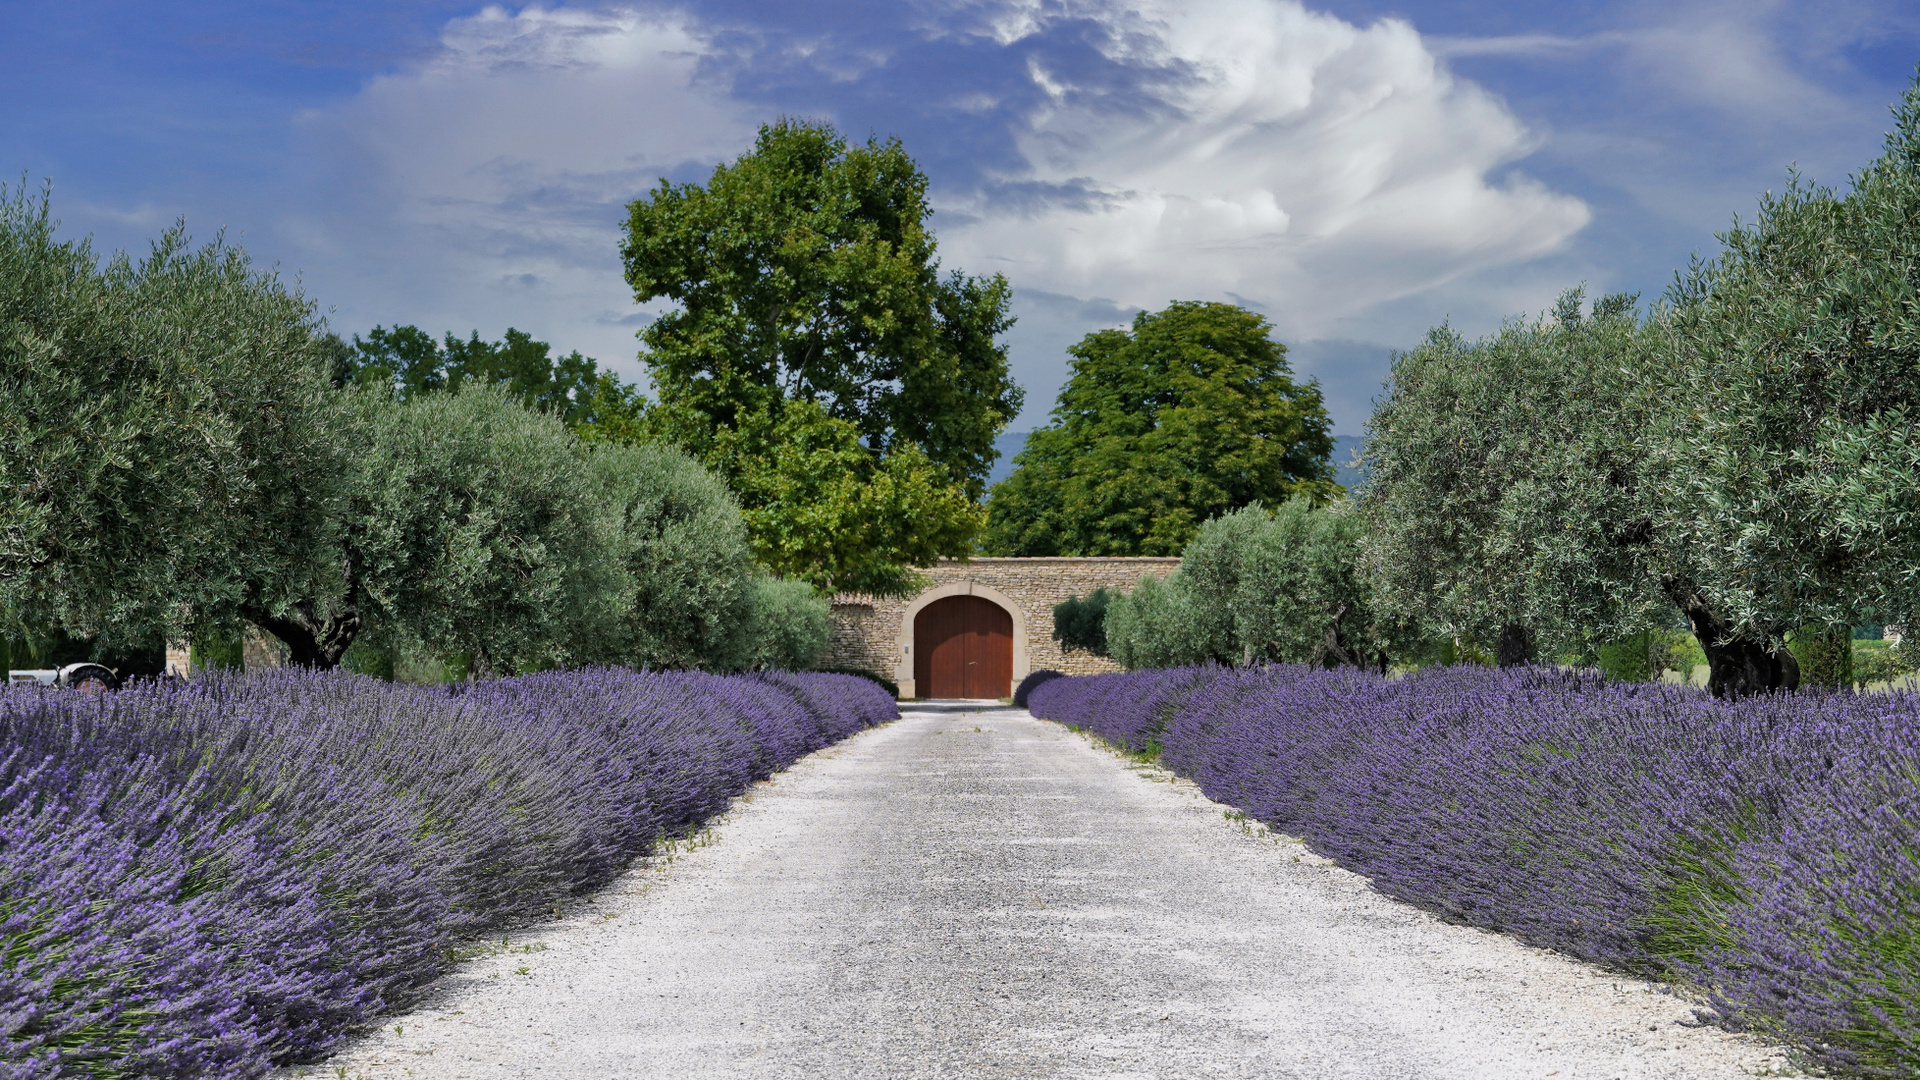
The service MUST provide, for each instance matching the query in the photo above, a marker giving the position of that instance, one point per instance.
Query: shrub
(1879, 662)
(1259, 585)
(1034, 679)
(1155, 625)
(791, 624)
(1082, 624)
(686, 585)
(213, 878)
(1762, 850)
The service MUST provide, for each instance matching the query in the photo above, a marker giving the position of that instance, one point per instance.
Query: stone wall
(876, 635)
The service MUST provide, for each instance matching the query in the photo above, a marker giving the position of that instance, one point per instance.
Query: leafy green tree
(483, 533)
(821, 507)
(804, 274)
(157, 419)
(805, 269)
(686, 589)
(1157, 625)
(180, 457)
(1794, 463)
(411, 362)
(468, 523)
(1191, 414)
(1505, 490)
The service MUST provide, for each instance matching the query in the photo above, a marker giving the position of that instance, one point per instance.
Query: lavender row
(208, 880)
(1764, 852)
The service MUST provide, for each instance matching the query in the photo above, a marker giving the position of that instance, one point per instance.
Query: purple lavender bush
(1763, 851)
(212, 879)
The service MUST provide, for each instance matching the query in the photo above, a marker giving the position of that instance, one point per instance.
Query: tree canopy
(1259, 585)
(817, 358)
(820, 507)
(187, 449)
(1745, 455)
(1190, 414)
(156, 417)
(407, 360)
(1793, 456)
(1503, 478)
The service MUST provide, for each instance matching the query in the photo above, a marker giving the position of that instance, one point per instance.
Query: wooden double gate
(963, 648)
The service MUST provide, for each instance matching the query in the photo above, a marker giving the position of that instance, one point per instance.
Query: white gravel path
(969, 892)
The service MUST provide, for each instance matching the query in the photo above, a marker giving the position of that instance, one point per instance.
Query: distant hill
(1345, 449)
(1009, 444)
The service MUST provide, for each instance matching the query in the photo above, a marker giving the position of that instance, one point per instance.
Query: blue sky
(1357, 171)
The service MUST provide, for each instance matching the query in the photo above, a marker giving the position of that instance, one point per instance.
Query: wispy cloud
(494, 175)
(1450, 46)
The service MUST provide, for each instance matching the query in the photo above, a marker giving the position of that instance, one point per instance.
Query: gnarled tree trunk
(312, 641)
(1737, 667)
(1334, 650)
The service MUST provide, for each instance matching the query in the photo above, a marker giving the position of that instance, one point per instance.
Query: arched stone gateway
(963, 648)
(1006, 625)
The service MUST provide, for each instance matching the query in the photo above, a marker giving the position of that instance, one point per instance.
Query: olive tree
(1794, 362)
(1505, 500)
(161, 422)
(1258, 586)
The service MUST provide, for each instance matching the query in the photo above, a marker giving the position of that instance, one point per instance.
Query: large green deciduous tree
(821, 508)
(1191, 414)
(804, 272)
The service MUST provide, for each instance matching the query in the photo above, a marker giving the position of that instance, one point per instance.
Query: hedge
(215, 878)
(1763, 852)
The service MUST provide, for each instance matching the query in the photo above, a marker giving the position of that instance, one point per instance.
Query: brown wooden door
(963, 648)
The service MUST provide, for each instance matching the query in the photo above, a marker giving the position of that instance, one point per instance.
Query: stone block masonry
(876, 634)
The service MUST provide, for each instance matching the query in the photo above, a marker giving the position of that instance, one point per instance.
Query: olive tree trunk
(1736, 666)
(312, 641)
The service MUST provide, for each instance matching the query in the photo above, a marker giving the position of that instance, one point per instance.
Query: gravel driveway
(969, 892)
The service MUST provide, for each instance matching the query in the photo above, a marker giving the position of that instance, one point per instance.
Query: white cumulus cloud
(1272, 154)
(1248, 150)
(489, 183)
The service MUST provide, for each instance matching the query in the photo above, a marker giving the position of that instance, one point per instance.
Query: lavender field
(1762, 852)
(211, 879)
